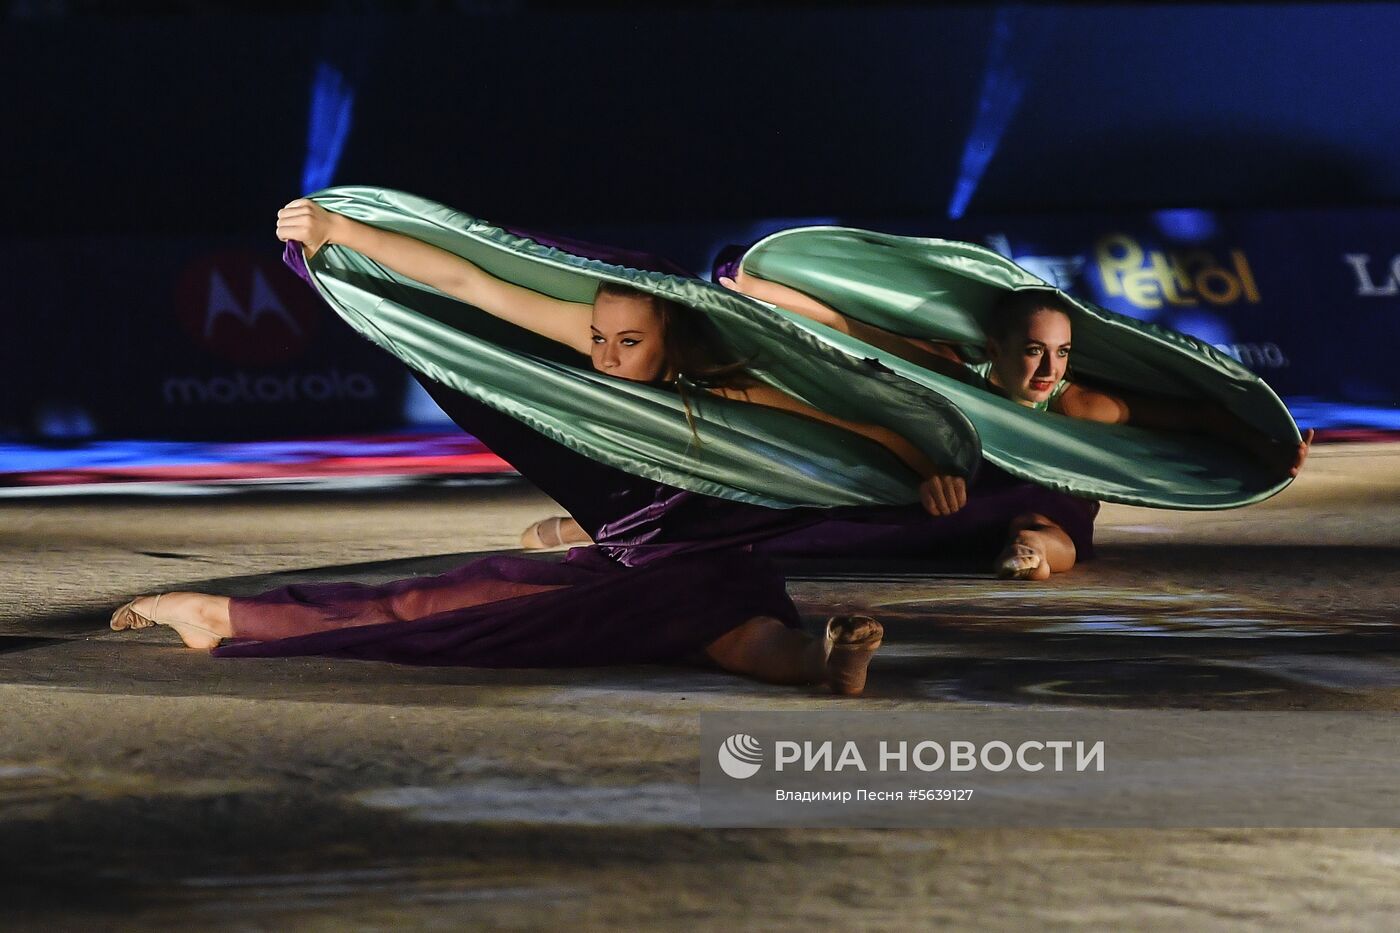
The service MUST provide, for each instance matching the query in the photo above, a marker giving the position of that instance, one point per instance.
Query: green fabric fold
(754, 454)
(943, 290)
(739, 451)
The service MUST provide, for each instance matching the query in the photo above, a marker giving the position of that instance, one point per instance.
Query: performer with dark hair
(719, 601)
(1027, 361)
(647, 592)
(1033, 531)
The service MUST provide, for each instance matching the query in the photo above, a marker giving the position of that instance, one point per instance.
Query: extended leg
(203, 621)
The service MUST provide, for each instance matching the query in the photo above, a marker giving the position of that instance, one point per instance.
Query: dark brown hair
(692, 350)
(1014, 308)
(691, 347)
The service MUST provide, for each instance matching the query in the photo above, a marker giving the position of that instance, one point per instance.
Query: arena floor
(145, 785)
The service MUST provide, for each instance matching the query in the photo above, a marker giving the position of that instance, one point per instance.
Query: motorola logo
(246, 309)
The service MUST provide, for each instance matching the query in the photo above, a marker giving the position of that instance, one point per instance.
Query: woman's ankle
(213, 615)
(202, 611)
(765, 649)
(814, 658)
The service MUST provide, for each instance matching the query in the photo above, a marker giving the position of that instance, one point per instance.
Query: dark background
(179, 123)
(147, 140)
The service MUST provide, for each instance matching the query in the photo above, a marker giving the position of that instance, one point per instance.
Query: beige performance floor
(143, 785)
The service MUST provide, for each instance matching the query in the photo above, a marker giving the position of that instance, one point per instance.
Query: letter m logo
(262, 300)
(245, 309)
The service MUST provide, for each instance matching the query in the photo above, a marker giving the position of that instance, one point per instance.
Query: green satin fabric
(944, 291)
(745, 452)
(754, 454)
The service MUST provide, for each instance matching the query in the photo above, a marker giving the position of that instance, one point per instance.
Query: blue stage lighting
(1186, 225)
(1204, 326)
(64, 422)
(1320, 414)
(332, 100)
(419, 409)
(1002, 89)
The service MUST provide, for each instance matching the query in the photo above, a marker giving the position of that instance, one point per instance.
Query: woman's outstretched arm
(941, 493)
(313, 226)
(789, 298)
(939, 358)
(1160, 414)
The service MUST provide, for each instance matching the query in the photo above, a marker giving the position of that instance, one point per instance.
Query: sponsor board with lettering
(195, 338)
(1309, 300)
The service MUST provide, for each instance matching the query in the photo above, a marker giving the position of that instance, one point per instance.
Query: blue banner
(181, 339)
(1309, 300)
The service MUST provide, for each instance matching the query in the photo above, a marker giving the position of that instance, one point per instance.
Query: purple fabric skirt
(516, 612)
(636, 521)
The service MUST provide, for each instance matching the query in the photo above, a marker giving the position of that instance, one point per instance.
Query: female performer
(1038, 531)
(1028, 353)
(506, 612)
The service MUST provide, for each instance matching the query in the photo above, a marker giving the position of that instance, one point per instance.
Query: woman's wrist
(340, 230)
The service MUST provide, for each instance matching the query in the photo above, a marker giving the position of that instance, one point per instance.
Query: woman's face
(627, 338)
(1030, 363)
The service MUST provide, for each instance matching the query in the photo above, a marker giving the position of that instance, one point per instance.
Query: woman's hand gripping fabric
(943, 495)
(306, 222)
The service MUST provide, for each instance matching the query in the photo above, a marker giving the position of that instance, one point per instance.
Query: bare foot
(851, 642)
(184, 612)
(1022, 560)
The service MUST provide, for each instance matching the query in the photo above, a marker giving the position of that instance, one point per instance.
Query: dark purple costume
(637, 521)
(517, 612)
(672, 570)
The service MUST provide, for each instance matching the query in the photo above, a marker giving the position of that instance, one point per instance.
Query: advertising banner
(1310, 300)
(180, 339)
